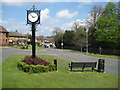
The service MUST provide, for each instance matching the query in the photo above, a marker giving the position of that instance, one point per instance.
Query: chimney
(16, 30)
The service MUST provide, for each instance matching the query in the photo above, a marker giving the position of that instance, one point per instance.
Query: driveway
(111, 65)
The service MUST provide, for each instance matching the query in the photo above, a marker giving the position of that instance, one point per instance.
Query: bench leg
(71, 68)
(82, 69)
(92, 69)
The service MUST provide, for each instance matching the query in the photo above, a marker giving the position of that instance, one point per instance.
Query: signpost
(33, 18)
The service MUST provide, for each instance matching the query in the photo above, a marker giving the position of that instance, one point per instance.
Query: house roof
(2, 29)
(39, 37)
(16, 34)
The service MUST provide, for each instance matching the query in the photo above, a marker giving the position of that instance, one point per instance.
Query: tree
(118, 7)
(95, 13)
(107, 26)
(57, 31)
(58, 36)
(76, 24)
(80, 37)
(68, 38)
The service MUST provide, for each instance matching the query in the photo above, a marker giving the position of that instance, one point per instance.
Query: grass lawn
(97, 55)
(14, 78)
(37, 47)
(29, 47)
(0, 75)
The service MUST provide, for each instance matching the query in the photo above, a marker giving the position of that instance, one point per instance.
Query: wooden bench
(82, 65)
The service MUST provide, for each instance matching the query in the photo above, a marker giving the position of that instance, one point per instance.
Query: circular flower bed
(35, 65)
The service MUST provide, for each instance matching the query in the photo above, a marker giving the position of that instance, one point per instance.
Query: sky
(53, 14)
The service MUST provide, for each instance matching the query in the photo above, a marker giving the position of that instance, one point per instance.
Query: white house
(48, 44)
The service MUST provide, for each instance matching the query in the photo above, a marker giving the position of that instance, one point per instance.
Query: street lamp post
(81, 47)
(62, 42)
(100, 50)
(87, 40)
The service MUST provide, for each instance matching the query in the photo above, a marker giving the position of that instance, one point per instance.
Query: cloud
(46, 19)
(1, 8)
(59, 0)
(43, 30)
(22, 3)
(1, 11)
(12, 25)
(30, 0)
(70, 25)
(66, 14)
(82, 4)
(47, 23)
(45, 14)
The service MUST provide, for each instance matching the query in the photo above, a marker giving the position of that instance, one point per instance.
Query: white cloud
(59, 0)
(22, 3)
(46, 25)
(82, 4)
(16, 3)
(29, 0)
(45, 14)
(66, 14)
(44, 29)
(46, 19)
(12, 25)
(70, 25)
(1, 11)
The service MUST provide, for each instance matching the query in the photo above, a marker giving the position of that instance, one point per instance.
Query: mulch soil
(35, 61)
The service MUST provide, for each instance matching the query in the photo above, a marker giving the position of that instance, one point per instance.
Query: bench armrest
(69, 64)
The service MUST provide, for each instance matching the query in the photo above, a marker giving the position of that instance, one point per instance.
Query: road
(111, 65)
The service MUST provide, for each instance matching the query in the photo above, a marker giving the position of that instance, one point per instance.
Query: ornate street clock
(33, 18)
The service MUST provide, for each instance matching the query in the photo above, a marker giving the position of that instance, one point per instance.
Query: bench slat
(90, 65)
(77, 65)
(82, 65)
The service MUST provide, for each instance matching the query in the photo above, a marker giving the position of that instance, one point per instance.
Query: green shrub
(23, 47)
(26, 68)
(51, 67)
(20, 65)
(39, 68)
(26, 47)
(35, 68)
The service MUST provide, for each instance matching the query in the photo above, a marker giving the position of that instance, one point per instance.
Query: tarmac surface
(111, 65)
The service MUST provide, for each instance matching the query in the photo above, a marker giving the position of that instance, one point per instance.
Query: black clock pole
(33, 40)
(33, 20)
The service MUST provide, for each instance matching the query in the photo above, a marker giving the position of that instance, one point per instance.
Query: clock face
(33, 17)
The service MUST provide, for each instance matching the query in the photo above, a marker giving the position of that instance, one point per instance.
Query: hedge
(35, 68)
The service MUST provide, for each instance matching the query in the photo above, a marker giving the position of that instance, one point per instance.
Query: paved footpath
(111, 65)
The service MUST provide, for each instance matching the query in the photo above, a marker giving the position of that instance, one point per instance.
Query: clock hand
(32, 16)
